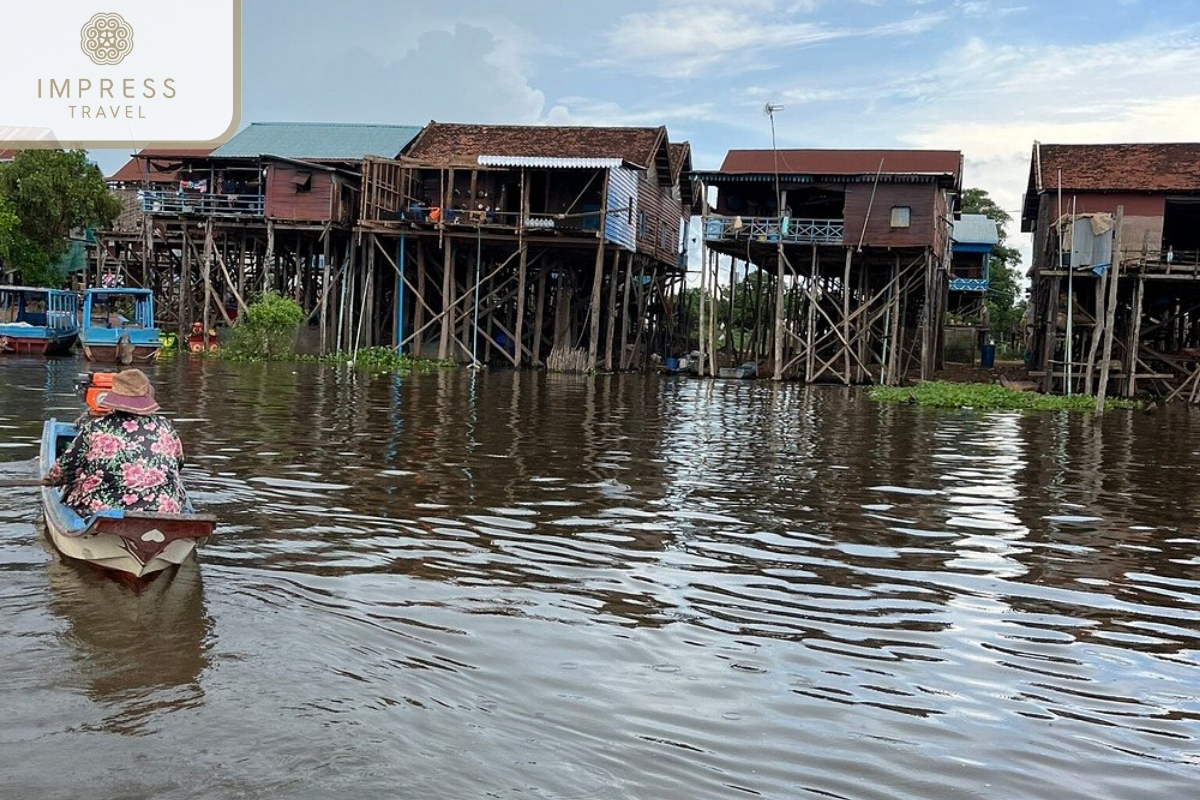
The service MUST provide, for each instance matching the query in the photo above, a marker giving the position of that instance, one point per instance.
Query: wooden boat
(36, 321)
(136, 543)
(118, 326)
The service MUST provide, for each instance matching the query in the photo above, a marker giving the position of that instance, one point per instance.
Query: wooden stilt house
(532, 245)
(848, 252)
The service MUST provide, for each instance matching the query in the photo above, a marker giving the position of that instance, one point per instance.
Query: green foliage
(1005, 300)
(988, 397)
(8, 227)
(266, 330)
(50, 193)
(378, 360)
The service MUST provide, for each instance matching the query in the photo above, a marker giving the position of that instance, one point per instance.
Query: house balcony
(959, 284)
(205, 205)
(789, 230)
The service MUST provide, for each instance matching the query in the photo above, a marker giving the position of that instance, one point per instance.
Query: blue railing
(790, 230)
(214, 205)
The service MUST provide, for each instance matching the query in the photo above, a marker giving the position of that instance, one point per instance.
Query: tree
(50, 193)
(1006, 305)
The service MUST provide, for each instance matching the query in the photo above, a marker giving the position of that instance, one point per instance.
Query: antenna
(769, 109)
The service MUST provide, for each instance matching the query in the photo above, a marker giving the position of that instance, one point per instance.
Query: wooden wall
(925, 201)
(1143, 220)
(659, 236)
(290, 198)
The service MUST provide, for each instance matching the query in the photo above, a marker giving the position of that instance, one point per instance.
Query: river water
(542, 586)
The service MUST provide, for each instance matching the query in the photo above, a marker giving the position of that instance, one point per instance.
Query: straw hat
(131, 392)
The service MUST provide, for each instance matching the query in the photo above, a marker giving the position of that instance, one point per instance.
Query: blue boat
(36, 321)
(118, 326)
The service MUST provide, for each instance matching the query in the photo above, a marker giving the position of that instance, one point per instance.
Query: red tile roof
(155, 165)
(7, 155)
(844, 162)
(1115, 167)
(448, 143)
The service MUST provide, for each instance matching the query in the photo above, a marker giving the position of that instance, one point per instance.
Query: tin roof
(975, 229)
(155, 165)
(549, 161)
(7, 155)
(318, 141)
(443, 142)
(844, 162)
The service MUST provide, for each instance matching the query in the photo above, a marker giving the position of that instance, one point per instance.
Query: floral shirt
(125, 461)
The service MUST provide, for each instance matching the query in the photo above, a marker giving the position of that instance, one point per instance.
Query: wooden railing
(790, 230)
(214, 205)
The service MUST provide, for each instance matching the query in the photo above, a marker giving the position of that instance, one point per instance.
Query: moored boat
(137, 543)
(118, 326)
(37, 321)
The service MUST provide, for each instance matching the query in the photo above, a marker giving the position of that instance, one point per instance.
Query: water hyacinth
(988, 397)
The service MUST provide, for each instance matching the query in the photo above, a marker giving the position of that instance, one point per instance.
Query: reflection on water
(618, 587)
(140, 654)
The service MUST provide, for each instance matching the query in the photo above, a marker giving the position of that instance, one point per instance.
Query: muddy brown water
(539, 586)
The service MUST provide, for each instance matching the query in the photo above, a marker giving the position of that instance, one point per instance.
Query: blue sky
(986, 78)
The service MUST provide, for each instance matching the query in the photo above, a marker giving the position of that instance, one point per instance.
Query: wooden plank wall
(285, 201)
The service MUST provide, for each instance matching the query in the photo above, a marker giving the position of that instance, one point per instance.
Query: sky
(985, 78)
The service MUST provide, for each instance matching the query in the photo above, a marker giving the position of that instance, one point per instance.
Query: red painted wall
(285, 202)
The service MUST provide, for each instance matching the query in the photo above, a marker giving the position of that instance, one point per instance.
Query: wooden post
(418, 339)
(447, 297)
(206, 267)
(777, 373)
(810, 329)
(1135, 340)
(610, 333)
(324, 313)
(846, 318)
(1110, 312)
(539, 318)
(597, 283)
(626, 356)
(269, 259)
(185, 279)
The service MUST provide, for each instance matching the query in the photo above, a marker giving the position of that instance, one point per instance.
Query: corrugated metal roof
(445, 142)
(844, 162)
(976, 229)
(549, 161)
(7, 155)
(318, 141)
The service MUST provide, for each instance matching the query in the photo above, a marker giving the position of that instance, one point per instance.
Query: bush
(265, 331)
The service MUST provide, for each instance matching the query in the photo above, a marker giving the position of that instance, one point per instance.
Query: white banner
(120, 73)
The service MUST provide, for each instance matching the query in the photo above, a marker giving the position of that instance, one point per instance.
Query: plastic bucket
(671, 363)
(987, 356)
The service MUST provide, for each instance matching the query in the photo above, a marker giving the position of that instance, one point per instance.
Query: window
(900, 216)
(641, 224)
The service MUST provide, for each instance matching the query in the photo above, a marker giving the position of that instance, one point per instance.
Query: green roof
(318, 141)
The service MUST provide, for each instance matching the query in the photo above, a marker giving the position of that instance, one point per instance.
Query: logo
(106, 39)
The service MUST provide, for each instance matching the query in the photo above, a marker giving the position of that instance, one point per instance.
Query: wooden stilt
(1110, 312)
(626, 356)
(846, 318)
(539, 318)
(447, 313)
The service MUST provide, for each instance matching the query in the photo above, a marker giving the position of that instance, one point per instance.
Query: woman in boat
(129, 457)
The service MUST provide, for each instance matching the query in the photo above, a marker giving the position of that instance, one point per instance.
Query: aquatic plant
(988, 397)
(378, 360)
